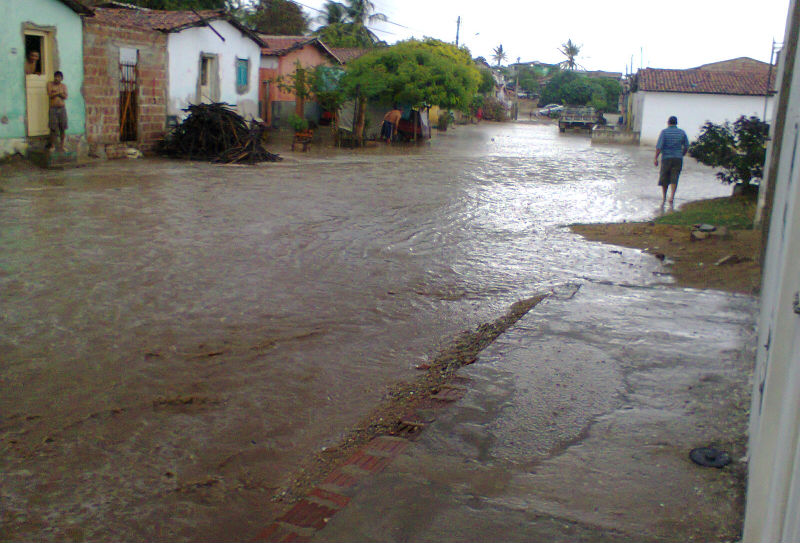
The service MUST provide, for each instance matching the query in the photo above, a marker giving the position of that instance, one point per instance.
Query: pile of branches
(215, 132)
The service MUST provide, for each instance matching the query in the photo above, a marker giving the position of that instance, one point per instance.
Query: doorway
(38, 71)
(208, 84)
(128, 102)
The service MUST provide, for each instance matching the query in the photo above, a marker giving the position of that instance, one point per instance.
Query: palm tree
(333, 13)
(362, 12)
(499, 54)
(571, 51)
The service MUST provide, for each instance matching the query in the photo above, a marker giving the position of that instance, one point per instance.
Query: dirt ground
(696, 264)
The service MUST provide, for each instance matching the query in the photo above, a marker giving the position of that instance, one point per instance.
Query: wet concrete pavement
(577, 425)
(177, 338)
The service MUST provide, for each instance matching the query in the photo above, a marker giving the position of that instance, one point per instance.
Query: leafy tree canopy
(345, 24)
(278, 17)
(332, 13)
(499, 54)
(487, 81)
(362, 12)
(529, 79)
(415, 72)
(572, 88)
(571, 51)
(739, 150)
(347, 35)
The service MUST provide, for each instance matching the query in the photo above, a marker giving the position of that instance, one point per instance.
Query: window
(34, 54)
(242, 74)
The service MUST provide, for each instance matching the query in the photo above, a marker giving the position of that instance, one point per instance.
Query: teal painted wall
(69, 49)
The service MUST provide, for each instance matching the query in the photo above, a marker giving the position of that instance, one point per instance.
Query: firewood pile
(215, 132)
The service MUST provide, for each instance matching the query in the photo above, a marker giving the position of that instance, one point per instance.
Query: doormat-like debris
(709, 457)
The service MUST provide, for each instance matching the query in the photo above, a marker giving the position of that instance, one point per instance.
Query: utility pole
(458, 28)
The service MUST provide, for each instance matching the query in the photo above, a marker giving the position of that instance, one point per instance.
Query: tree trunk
(362, 115)
(299, 101)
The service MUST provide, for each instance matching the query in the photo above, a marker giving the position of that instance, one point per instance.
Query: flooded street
(178, 337)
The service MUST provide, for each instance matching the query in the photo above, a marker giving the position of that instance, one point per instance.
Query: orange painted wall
(309, 56)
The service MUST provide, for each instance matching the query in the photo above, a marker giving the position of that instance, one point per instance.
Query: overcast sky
(666, 34)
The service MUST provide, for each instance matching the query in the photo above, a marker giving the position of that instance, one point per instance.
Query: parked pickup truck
(577, 117)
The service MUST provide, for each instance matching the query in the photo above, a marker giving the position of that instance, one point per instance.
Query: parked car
(549, 109)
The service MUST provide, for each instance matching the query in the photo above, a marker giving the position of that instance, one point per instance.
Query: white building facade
(696, 97)
(773, 486)
(693, 111)
(214, 63)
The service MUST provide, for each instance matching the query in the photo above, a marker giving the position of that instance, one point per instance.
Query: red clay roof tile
(695, 81)
(151, 19)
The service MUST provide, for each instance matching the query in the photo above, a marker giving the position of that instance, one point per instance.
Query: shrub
(298, 123)
(739, 150)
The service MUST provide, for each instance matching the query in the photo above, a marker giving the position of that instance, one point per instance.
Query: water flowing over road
(176, 337)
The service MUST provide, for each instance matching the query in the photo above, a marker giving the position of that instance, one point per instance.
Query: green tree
(610, 89)
(363, 12)
(571, 51)
(570, 87)
(345, 24)
(415, 72)
(499, 54)
(553, 92)
(333, 13)
(739, 150)
(487, 81)
(529, 80)
(278, 17)
(347, 35)
(577, 92)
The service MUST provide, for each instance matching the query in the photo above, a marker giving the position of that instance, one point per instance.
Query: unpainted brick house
(125, 85)
(143, 67)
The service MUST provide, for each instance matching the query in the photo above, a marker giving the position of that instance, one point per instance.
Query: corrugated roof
(167, 21)
(695, 81)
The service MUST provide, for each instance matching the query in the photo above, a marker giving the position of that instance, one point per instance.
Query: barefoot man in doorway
(672, 146)
(57, 92)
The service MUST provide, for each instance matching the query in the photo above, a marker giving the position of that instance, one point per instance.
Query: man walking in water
(672, 146)
(390, 122)
(57, 92)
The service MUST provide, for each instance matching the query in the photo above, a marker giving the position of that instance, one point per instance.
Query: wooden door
(207, 69)
(37, 102)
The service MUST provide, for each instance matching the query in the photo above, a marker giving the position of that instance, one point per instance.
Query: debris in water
(215, 132)
(709, 457)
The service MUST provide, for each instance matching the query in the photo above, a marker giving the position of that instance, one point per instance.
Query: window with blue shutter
(242, 74)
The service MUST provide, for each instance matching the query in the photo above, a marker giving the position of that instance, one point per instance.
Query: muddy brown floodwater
(178, 338)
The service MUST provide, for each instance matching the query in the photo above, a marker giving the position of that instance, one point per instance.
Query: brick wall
(101, 54)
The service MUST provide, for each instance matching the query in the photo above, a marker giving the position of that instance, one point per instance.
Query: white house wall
(185, 49)
(693, 111)
(773, 487)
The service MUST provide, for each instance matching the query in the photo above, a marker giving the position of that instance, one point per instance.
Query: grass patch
(735, 212)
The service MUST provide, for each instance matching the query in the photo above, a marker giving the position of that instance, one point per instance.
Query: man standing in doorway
(57, 92)
(672, 145)
(390, 122)
(32, 63)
